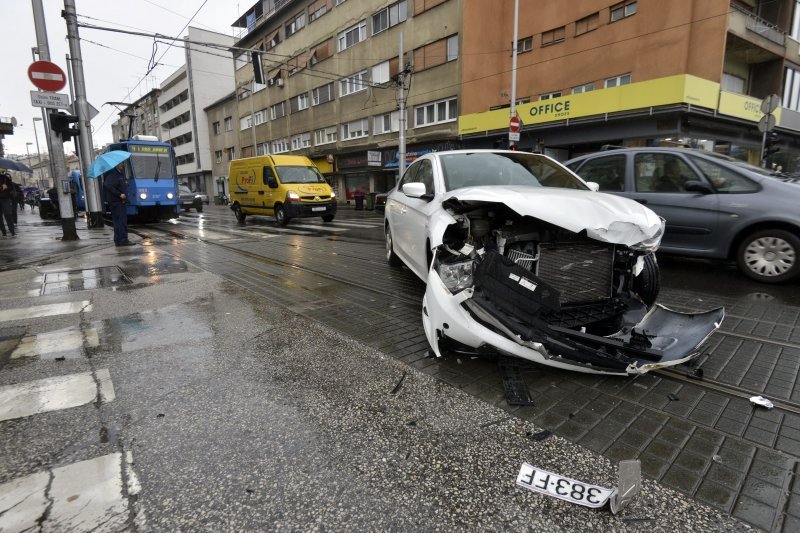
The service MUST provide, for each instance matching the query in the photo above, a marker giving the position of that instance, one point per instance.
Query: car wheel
(237, 210)
(769, 256)
(280, 215)
(391, 257)
(648, 283)
(327, 218)
(199, 207)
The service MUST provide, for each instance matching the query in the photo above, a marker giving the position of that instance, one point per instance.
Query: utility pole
(514, 69)
(60, 178)
(401, 149)
(91, 187)
(46, 122)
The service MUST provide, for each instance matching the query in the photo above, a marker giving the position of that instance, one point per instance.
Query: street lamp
(38, 153)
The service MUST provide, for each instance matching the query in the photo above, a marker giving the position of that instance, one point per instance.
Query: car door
(692, 218)
(417, 219)
(396, 210)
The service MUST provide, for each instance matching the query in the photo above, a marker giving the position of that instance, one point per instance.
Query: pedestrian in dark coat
(115, 185)
(7, 207)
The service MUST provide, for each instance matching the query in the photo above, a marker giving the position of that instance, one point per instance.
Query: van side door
(268, 187)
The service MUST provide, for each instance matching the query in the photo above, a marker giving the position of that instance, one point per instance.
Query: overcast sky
(114, 64)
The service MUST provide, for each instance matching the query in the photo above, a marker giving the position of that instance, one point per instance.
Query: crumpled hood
(605, 217)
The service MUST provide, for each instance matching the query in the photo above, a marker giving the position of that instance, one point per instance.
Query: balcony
(755, 26)
(254, 18)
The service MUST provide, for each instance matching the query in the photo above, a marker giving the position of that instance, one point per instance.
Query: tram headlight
(143, 196)
(170, 196)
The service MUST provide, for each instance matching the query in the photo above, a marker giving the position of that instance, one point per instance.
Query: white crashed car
(523, 258)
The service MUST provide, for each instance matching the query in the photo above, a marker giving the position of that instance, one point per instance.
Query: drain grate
(81, 280)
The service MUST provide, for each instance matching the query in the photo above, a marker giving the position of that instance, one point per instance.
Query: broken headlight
(456, 276)
(651, 244)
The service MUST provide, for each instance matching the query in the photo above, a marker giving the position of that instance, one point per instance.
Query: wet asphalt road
(231, 422)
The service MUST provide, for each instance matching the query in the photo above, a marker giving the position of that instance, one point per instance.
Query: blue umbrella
(10, 164)
(106, 162)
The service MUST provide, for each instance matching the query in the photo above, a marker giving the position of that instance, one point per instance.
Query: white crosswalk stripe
(38, 311)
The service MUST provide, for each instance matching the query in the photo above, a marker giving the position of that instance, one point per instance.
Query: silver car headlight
(456, 276)
(650, 245)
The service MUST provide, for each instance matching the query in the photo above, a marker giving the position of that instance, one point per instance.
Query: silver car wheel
(770, 256)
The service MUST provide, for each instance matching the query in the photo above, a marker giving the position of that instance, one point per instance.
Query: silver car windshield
(504, 169)
(739, 163)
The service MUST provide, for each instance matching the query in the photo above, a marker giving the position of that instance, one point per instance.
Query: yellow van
(283, 186)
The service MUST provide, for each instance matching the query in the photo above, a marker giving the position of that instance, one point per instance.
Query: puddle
(154, 265)
(81, 280)
(67, 343)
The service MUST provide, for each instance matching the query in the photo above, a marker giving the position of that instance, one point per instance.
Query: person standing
(7, 206)
(115, 185)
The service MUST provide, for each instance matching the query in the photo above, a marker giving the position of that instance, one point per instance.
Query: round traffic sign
(47, 76)
(513, 124)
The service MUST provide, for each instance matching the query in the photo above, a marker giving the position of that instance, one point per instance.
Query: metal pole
(38, 154)
(514, 68)
(91, 188)
(401, 148)
(45, 119)
(253, 121)
(69, 233)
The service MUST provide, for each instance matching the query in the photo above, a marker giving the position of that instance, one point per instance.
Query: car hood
(604, 217)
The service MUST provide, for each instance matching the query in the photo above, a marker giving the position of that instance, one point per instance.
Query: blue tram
(152, 179)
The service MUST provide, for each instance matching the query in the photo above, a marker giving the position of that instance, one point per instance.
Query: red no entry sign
(47, 76)
(513, 124)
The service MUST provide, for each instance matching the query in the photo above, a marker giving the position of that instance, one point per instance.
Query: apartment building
(636, 72)
(138, 118)
(223, 140)
(330, 83)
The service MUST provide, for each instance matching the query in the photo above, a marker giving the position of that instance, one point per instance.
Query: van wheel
(280, 215)
(327, 218)
(239, 215)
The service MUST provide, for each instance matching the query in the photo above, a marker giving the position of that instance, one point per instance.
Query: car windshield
(299, 174)
(506, 168)
(183, 189)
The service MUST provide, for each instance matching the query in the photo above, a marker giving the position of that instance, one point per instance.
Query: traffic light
(771, 144)
(62, 124)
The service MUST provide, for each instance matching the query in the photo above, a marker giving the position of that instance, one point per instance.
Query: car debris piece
(517, 392)
(396, 388)
(629, 484)
(761, 402)
(672, 397)
(540, 436)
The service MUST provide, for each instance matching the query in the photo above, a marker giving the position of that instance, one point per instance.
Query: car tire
(199, 207)
(769, 256)
(391, 257)
(327, 218)
(240, 217)
(648, 283)
(280, 215)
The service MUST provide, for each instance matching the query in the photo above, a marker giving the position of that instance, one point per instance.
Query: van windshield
(299, 174)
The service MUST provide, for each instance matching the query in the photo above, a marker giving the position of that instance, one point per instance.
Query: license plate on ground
(562, 487)
(318, 209)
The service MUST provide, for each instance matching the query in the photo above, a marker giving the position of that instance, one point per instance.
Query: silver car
(523, 258)
(715, 206)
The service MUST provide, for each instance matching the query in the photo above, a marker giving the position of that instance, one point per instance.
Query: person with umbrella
(115, 185)
(7, 204)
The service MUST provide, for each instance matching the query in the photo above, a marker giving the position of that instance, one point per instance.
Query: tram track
(676, 375)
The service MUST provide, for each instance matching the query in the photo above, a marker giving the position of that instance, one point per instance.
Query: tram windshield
(150, 161)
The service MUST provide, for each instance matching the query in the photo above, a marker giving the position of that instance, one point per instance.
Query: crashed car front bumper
(662, 338)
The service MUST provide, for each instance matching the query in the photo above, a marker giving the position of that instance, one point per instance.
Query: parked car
(380, 201)
(523, 258)
(715, 206)
(189, 199)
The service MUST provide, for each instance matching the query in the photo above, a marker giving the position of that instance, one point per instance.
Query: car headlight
(292, 196)
(456, 276)
(170, 196)
(651, 244)
(143, 196)
(333, 195)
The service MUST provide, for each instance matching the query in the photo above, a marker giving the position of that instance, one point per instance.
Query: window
(323, 94)
(380, 72)
(353, 84)
(735, 84)
(386, 123)
(316, 10)
(262, 149)
(723, 179)
(661, 172)
(587, 24)
(258, 86)
(218, 156)
(261, 117)
(620, 11)
(246, 122)
(389, 16)
(215, 126)
(300, 141)
(280, 145)
(352, 36)
(355, 129)
(424, 5)
(452, 48)
(325, 136)
(339, 2)
(548, 96)
(231, 153)
(553, 36)
(436, 53)
(241, 60)
(278, 110)
(583, 88)
(299, 102)
(608, 172)
(435, 113)
(321, 52)
(272, 40)
(525, 45)
(296, 24)
(228, 123)
(616, 81)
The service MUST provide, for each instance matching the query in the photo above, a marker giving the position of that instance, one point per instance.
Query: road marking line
(65, 343)
(54, 394)
(38, 311)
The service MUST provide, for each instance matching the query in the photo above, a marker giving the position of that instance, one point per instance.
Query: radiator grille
(582, 271)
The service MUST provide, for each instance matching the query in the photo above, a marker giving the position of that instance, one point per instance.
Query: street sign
(47, 76)
(513, 124)
(51, 100)
(513, 136)
(770, 103)
(93, 112)
(767, 123)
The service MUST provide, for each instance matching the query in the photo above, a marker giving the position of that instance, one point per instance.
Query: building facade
(139, 118)
(223, 141)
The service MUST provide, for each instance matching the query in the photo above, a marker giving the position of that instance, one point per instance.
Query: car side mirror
(414, 190)
(593, 186)
(697, 186)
